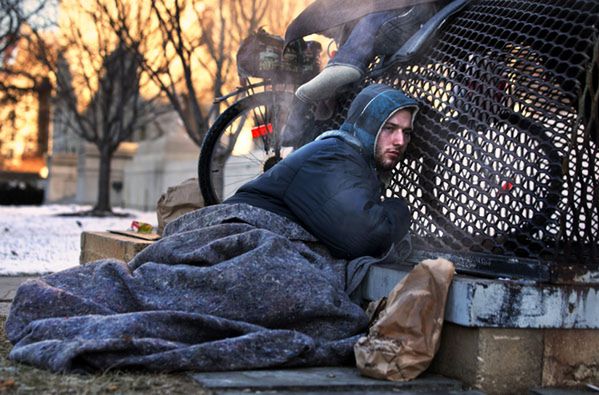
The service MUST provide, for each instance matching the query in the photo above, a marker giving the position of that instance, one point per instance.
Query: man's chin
(386, 166)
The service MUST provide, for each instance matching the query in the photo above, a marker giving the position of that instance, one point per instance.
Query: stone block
(510, 360)
(495, 360)
(571, 357)
(102, 245)
(8, 289)
(458, 353)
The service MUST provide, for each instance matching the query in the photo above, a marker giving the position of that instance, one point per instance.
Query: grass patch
(24, 379)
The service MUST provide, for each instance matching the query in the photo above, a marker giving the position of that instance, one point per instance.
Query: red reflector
(261, 130)
(507, 186)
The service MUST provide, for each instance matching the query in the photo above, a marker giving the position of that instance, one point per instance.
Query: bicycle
(244, 141)
(501, 183)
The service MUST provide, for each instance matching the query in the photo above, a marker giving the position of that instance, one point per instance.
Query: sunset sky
(73, 20)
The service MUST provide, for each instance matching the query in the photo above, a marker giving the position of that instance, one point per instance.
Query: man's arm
(335, 194)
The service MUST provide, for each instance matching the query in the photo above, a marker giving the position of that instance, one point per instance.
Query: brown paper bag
(178, 200)
(404, 339)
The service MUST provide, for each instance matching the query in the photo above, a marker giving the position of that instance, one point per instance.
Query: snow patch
(33, 240)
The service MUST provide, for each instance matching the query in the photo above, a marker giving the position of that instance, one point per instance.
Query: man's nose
(399, 138)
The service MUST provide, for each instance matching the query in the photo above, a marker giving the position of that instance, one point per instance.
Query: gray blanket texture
(228, 287)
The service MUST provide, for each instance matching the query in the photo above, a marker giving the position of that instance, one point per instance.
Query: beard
(384, 161)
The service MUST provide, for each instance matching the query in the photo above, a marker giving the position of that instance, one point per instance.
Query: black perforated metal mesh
(504, 159)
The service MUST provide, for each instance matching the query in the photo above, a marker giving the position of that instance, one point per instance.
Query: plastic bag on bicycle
(262, 55)
(259, 55)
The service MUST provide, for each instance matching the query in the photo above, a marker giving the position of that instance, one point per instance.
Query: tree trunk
(103, 201)
(44, 91)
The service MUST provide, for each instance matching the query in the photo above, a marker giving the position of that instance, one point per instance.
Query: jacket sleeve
(336, 197)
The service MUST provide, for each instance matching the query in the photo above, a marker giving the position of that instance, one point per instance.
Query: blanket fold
(229, 287)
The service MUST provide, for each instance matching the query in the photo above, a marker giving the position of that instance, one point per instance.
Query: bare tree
(15, 26)
(205, 54)
(99, 83)
(20, 74)
(11, 20)
(198, 44)
(12, 17)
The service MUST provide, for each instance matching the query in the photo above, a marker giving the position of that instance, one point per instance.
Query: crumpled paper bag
(404, 339)
(178, 200)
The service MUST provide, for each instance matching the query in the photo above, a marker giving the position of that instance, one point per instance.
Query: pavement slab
(396, 392)
(317, 381)
(8, 289)
(9, 285)
(4, 308)
(563, 391)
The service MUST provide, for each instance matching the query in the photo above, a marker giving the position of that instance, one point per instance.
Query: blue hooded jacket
(331, 186)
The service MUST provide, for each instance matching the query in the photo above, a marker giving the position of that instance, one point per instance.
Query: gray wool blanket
(228, 287)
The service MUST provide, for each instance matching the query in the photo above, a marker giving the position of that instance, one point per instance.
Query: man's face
(393, 140)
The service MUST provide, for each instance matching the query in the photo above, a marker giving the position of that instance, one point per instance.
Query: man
(333, 186)
(239, 285)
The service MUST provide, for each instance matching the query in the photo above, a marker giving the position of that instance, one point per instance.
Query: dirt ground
(22, 379)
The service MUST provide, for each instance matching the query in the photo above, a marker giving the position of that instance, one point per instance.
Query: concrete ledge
(479, 302)
(102, 245)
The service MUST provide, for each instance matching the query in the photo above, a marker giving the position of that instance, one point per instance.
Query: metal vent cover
(504, 160)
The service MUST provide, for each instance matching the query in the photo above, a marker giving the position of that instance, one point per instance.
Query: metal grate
(504, 161)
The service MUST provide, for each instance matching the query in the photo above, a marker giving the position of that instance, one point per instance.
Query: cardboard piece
(405, 337)
(137, 235)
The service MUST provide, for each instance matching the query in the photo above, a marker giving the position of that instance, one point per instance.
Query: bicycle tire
(544, 188)
(260, 109)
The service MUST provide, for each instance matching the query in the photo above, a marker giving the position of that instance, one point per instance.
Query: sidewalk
(8, 288)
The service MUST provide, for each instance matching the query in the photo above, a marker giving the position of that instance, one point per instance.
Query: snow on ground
(33, 240)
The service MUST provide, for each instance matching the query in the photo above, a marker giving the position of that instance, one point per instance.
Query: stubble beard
(386, 165)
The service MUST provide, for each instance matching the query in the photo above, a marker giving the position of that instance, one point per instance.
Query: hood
(370, 110)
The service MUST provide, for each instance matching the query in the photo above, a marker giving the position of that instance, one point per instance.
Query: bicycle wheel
(504, 179)
(242, 144)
